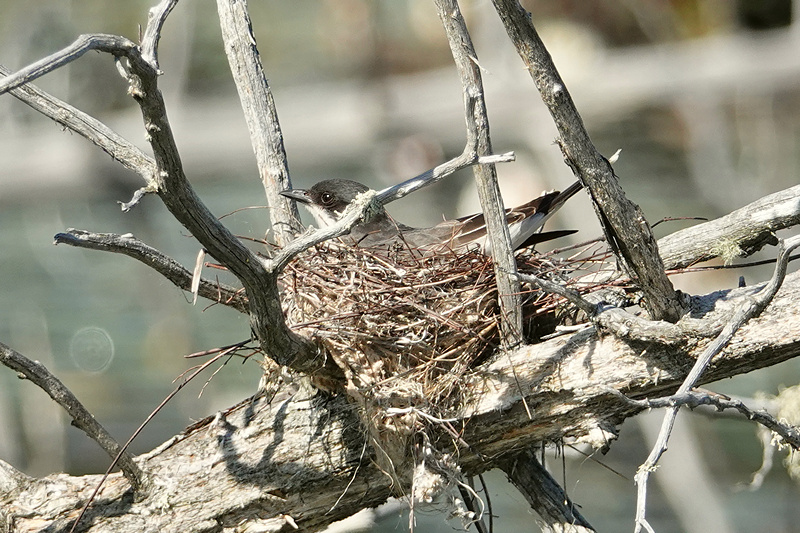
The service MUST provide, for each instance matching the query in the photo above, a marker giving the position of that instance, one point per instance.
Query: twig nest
(405, 328)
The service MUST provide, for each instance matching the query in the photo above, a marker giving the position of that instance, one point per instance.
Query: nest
(407, 328)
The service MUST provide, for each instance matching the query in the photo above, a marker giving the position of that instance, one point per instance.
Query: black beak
(301, 195)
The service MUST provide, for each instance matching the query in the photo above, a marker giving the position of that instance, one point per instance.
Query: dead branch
(737, 234)
(544, 494)
(157, 260)
(623, 222)
(261, 115)
(261, 459)
(745, 311)
(81, 417)
(479, 141)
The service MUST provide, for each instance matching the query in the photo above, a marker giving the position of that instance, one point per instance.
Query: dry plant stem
(120, 149)
(156, 17)
(748, 309)
(112, 44)
(479, 141)
(737, 234)
(544, 494)
(153, 258)
(466, 159)
(81, 417)
(474, 505)
(261, 115)
(624, 224)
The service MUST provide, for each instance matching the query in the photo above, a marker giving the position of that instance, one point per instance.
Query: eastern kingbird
(328, 199)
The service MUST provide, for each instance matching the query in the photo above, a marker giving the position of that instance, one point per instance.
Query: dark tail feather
(543, 236)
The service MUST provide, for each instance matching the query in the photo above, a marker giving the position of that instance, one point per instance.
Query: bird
(327, 200)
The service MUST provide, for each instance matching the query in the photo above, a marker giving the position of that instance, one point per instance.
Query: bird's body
(327, 200)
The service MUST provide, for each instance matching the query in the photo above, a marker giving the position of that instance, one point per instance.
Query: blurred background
(701, 96)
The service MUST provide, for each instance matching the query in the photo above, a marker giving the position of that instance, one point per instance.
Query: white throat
(322, 217)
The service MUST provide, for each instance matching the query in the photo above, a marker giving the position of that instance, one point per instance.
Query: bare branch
(155, 259)
(737, 234)
(81, 417)
(624, 224)
(120, 149)
(749, 308)
(479, 143)
(112, 44)
(156, 18)
(261, 115)
(695, 398)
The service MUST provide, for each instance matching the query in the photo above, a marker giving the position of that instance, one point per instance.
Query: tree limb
(119, 148)
(262, 459)
(623, 222)
(479, 143)
(155, 259)
(81, 417)
(544, 494)
(737, 234)
(262, 117)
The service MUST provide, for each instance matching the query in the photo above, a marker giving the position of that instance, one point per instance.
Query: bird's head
(327, 200)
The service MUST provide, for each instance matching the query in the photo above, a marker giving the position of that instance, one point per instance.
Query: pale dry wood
(737, 234)
(158, 261)
(479, 141)
(624, 224)
(298, 457)
(261, 115)
(81, 417)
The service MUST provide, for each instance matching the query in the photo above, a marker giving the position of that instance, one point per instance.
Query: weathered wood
(299, 457)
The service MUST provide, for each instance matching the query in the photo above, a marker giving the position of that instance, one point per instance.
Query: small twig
(748, 309)
(156, 18)
(474, 504)
(695, 398)
(81, 417)
(570, 295)
(155, 259)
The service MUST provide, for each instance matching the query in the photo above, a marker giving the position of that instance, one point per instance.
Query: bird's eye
(326, 198)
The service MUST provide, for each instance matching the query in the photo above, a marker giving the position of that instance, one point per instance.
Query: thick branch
(261, 115)
(626, 229)
(737, 234)
(479, 142)
(262, 458)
